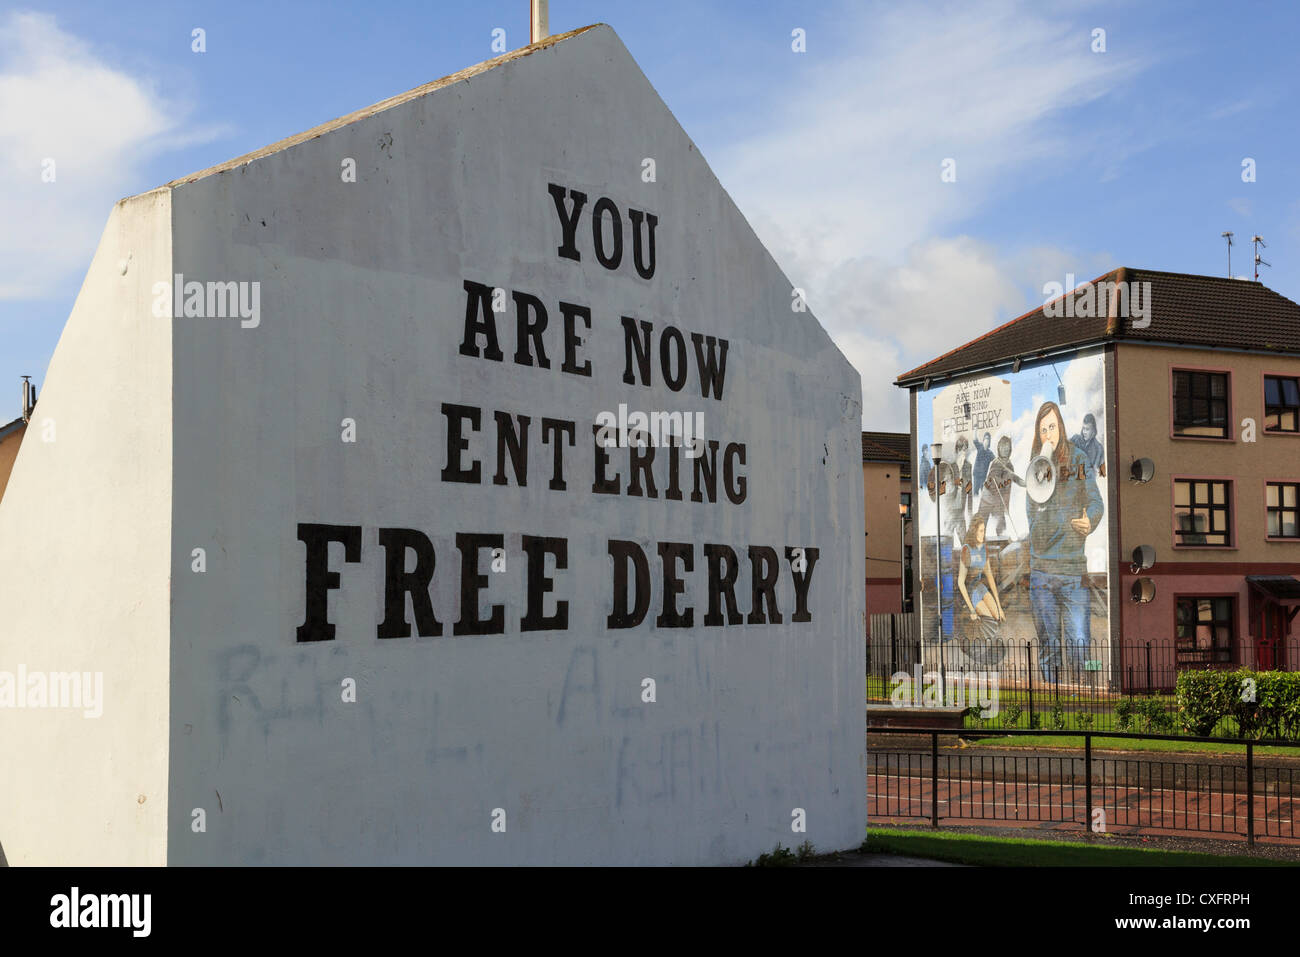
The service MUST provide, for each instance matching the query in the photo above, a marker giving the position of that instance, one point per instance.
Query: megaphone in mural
(1040, 482)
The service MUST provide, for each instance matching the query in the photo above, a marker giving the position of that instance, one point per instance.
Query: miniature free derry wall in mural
(1011, 524)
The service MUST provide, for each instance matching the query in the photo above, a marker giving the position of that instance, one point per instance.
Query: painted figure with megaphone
(1063, 505)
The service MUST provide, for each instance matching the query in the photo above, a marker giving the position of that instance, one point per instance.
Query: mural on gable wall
(1013, 537)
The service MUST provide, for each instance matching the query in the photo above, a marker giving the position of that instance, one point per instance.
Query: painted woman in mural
(975, 576)
(1059, 524)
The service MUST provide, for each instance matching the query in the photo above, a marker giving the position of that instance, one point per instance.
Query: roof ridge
(1027, 315)
(1193, 275)
(1188, 314)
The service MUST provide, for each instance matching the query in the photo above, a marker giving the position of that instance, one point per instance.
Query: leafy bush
(1143, 714)
(1202, 700)
(1264, 704)
(1124, 714)
(1011, 716)
(1058, 718)
(1154, 717)
(1084, 719)
(780, 857)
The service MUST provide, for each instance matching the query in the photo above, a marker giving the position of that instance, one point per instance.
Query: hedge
(1264, 704)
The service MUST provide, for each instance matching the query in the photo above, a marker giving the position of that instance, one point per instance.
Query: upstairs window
(1201, 404)
(1281, 404)
(1203, 513)
(1283, 512)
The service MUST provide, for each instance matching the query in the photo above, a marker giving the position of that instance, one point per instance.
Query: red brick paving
(1129, 809)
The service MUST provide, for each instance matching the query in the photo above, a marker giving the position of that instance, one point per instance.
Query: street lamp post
(939, 467)
(902, 558)
(936, 449)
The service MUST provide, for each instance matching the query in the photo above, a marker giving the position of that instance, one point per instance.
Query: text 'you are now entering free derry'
(685, 465)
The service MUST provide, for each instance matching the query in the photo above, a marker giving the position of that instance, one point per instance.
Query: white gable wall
(361, 317)
(86, 527)
(362, 312)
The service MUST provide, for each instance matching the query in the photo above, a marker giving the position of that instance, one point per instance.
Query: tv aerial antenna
(1258, 242)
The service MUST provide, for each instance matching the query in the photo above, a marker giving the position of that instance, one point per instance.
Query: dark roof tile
(886, 447)
(1207, 311)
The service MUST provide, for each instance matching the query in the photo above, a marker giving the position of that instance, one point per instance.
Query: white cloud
(888, 317)
(96, 122)
(844, 186)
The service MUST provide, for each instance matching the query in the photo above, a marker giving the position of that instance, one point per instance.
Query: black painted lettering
(572, 340)
(802, 582)
(479, 320)
(641, 347)
(536, 548)
(516, 442)
(603, 484)
(640, 459)
(706, 466)
(530, 323)
(472, 581)
(457, 443)
(762, 585)
(559, 428)
(398, 583)
(320, 579)
(645, 270)
(606, 205)
(674, 491)
(670, 335)
(712, 367)
(722, 585)
(670, 553)
(734, 485)
(623, 553)
(568, 249)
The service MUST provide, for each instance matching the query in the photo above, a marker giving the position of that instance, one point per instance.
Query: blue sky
(1067, 160)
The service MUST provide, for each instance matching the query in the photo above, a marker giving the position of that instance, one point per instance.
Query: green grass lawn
(984, 851)
(1079, 712)
(1126, 744)
(879, 689)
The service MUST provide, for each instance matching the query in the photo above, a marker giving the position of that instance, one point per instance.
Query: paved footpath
(1126, 809)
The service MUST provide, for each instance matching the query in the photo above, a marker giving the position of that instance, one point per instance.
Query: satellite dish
(1144, 556)
(1040, 480)
(1143, 470)
(1144, 590)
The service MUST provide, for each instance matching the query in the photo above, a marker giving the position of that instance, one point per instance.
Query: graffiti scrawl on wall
(1012, 528)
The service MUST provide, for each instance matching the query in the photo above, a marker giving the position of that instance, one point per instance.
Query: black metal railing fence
(1235, 794)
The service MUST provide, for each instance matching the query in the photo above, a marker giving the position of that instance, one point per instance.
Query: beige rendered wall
(86, 522)
(881, 487)
(1144, 417)
(1145, 423)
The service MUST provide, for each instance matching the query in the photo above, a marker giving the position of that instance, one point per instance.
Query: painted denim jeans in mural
(1058, 594)
(1059, 603)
